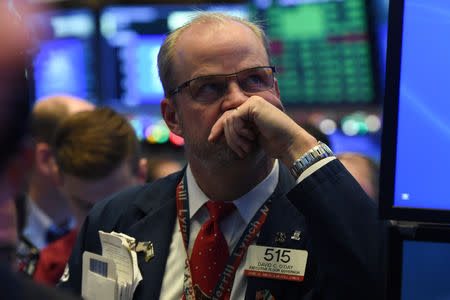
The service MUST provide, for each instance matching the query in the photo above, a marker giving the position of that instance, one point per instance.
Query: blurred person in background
(364, 169)
(159, 167)
(97, 154)
(45, 214)
(15, 154)
(49, 215)
(15, 160)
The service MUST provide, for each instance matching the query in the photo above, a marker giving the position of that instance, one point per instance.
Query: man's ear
(142, 171)
(44, 159)
(170, 115)
(57, 175)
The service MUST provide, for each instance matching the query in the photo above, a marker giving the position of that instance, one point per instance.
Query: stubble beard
(212, 155)
(219, 154)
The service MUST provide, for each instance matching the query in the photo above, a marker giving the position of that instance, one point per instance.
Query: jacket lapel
(157, 227)
(282, 224)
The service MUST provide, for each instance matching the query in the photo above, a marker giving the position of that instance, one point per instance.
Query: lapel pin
(280, 237)
(146, 247)
(296, 235)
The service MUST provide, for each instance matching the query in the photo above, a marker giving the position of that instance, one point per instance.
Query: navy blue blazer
(339, 228)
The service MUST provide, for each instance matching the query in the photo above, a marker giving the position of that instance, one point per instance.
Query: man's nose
(234, 96)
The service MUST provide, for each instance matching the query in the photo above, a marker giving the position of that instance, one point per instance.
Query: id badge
(275, 263)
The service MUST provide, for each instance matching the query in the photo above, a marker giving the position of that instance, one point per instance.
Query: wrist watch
(317, 153)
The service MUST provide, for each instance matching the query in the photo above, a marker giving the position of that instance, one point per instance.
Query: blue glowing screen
(425, 271)
(64, 55)
(59, 67)
(423, 138)
(141, 80)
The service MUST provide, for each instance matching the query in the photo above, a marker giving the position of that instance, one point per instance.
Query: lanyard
(226, 277)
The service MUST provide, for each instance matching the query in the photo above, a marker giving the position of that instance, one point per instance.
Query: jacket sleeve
(71, 278)
(347, 236)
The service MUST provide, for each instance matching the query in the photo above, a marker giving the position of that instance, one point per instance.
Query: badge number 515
(279, 255)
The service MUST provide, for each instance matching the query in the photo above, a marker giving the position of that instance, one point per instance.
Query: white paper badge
(275, 263)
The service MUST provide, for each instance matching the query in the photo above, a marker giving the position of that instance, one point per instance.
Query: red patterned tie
(210, 251)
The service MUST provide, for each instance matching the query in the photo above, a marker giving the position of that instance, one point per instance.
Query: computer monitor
(416, 113)
(419, 264)
(65, 57)
(324, 51)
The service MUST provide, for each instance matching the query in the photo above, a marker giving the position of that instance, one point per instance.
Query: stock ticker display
(322, 50)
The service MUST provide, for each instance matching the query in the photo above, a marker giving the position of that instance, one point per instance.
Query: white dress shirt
(37, 224)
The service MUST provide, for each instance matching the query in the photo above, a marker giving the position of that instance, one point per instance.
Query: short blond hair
(167, 50)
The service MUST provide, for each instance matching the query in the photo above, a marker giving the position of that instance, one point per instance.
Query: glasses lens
(211, 88)
(256, 80)
(208, 89)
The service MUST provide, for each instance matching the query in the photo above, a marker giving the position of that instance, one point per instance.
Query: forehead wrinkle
(223, 41)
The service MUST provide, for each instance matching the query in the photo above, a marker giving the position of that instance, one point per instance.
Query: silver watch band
(317, 153)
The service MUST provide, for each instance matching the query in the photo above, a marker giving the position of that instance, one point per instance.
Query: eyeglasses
(212, 87)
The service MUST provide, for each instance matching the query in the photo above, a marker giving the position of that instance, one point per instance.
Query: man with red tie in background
(49, 215)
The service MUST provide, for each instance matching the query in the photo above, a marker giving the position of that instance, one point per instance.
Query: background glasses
(212, 87)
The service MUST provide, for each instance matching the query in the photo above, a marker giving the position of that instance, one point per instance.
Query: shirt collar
(39, 220)
(247, 205)
(38, 217)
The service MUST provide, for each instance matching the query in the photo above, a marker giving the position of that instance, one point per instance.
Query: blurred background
(329, 54)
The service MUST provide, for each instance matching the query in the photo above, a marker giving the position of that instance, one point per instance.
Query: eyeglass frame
(187, 83)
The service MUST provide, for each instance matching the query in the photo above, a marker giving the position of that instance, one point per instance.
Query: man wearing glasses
(262, 210)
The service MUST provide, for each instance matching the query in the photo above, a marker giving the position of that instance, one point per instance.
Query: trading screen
(322, 49)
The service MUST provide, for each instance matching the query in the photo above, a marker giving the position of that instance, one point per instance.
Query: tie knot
(219, 209)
